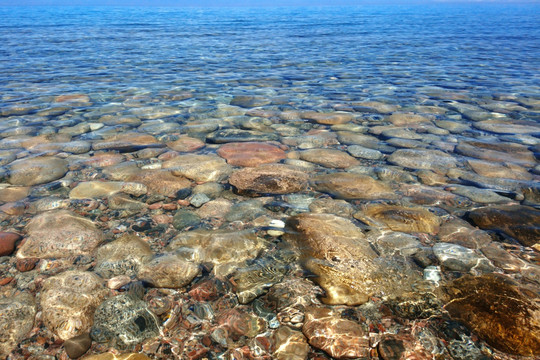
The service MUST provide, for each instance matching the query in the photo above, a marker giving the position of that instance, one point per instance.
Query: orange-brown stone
(7, 242)
(250, 154)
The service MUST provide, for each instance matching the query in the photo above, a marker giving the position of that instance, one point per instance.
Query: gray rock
(364, 153)
(458, 258)
(184, 219)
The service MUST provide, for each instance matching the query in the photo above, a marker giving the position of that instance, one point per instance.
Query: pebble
(269, 179)
(185, 219)
(7, 242)
(168, 271)
(38, 170)
(349, 186)
(59, 234)
(68, 301)
(289, 344)
(197, 200)
(17, 320)
(250, 154)
(123, 256)
(421, 159)
(201, 168)
(364, 153)
(330, 158)
(78, 345)
(458, 258)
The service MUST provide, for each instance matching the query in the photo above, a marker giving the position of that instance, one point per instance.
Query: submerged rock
(250, 154)
(168, 271)
(345, 264)
(203, 168)
(289, 344)
(497, 152)
(58, 234)
(519, 222)
(101, 189)
(224, 249)
(328, 118)
(124, 321)
(123, 256)
(399, 218)
(69, 300)
(500, 312)
(269, 179)
(7, 242)
(17, 320)
(330, 158)
(423, 159)
(350, 186)
(38, 170)
(339, 338)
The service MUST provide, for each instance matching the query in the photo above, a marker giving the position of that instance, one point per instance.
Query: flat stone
(330, 158)
(345, 264)
(168, 271)
(224, 248)
(350, 186)
(499, 170)
(203, 168)
(423, 159)
(186, 144)
(38, 170)
(13, 193)
(123, 321)
(68, 301)
(399, 218)
(500, 312)
(237, 135)
(508, 127)
(458, 258)
(123, 256)
(184, 219)
(250, 154)
(128, 142)
(59, 234)
(497, 152)
(249, 101)
(289, 344)
(519, 222)
(364, 153)
(401, 119)
(7, 242)
(374, 107)
(460, 232)
(78, 345)
(269, 179)
(160, 182)
(339, 338)
(102, 189)
(18, 313)
(328, 118)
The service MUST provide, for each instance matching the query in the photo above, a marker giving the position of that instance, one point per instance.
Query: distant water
(331, 53)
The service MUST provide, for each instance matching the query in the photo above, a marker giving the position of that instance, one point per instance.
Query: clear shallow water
(414, 129)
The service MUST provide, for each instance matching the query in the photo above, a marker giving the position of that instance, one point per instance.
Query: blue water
(330, 54)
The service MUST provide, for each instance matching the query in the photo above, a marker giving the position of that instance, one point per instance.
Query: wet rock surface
(502, 313)
(269, 179)
(17, 320)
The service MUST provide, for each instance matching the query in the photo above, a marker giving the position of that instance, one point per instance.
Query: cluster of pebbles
(253, 229)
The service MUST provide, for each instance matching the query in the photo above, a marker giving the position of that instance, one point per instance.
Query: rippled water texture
(289, 183)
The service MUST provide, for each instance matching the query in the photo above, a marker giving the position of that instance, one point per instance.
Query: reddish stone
(5, 280)
(13, 208)
(72, 98)
(170, 206)
(204, 291)
(7, 242)
(24, 265)
(250, 154)
(186, 144)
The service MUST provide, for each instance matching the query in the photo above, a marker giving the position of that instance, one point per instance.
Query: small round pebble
(78, 345)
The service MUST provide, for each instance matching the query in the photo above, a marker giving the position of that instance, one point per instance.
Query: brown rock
(186, 144)
(250, 154)
(328, 118)
(458, 231)
(330, 158)
(269, 179)
(17, 320)
(289, 344)
(399, 218)
(38, 170)
(425, 159)
(69, 300)
(103, 160)
(122, 256)
(339, 338)
(500, 312)
(160, 182)
(168, 271)
(72, 98)
(497, 152)
(24, 265)
(7, 242)
(203, 168)
(13, 193)
(78, 346)
(519, 222)
(127, 142)
(59, 233)
(403, 119)
(345, 264)
(498, 170)
(350, 186)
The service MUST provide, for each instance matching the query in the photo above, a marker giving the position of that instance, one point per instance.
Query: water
(95, 107)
